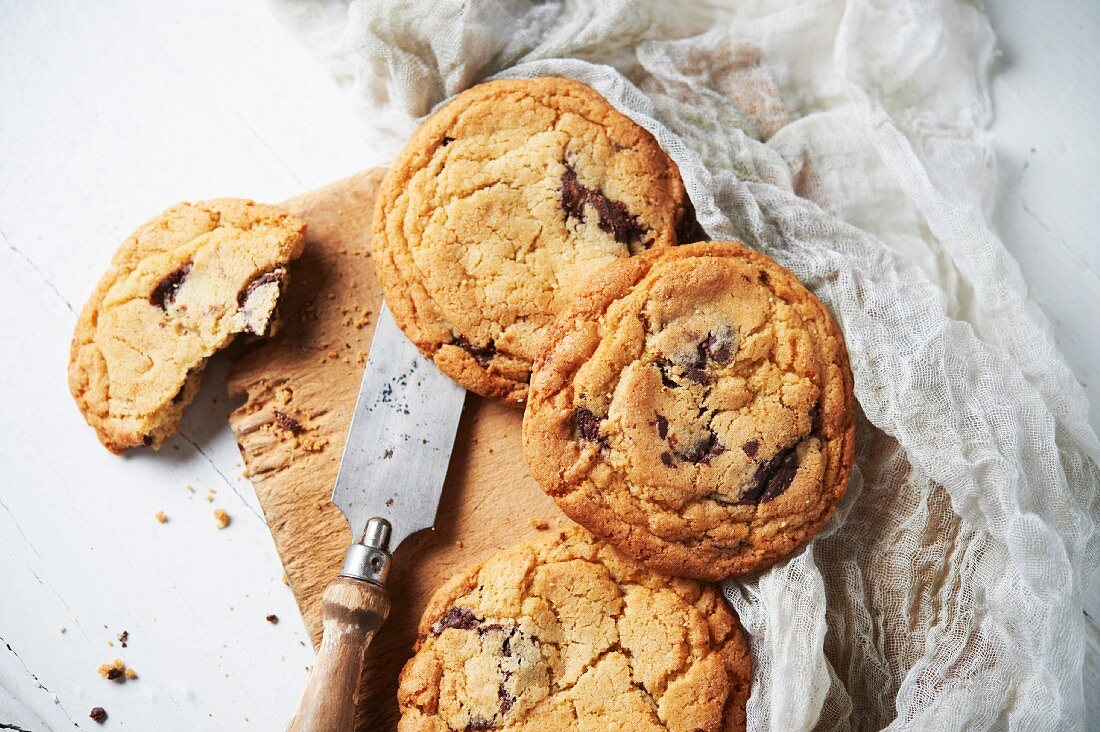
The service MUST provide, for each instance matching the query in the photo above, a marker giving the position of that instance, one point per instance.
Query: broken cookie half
(178, 290)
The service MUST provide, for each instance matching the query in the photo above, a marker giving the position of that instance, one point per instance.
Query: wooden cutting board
(300, 388)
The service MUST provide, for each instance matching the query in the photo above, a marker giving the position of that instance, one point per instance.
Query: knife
(391, 476)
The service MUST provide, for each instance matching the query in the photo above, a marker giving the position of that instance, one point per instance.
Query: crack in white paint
(225, 479)
(23, 255)
(38, 683)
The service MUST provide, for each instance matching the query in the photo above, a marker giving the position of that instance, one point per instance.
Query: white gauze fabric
(847, 141)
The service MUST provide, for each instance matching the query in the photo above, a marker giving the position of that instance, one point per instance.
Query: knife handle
(353, 610)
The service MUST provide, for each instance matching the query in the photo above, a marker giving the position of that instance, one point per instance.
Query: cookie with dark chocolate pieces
(566, 632)
(178, 290)
(694, 408)
(500, 207)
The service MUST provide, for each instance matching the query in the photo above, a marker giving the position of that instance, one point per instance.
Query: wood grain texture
(309, 373)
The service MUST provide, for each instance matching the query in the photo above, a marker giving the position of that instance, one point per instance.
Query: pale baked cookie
(694, 408)
(177, 290)
(500, 207)
(566, 633)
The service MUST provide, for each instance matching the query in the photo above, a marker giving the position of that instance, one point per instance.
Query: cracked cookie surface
(177, 290)
(694, 408)
(500, 207)
(567, 633)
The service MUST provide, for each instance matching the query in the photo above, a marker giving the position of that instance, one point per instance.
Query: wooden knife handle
(353, 611)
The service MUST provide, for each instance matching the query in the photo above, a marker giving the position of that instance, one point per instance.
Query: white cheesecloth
(848, 141)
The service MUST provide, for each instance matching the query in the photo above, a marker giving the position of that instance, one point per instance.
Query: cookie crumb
(130, 674)
(62, 629)
(123, 637)
(113, 671)
(161, 517)
(273, 619)
(221, 517)
(539, 524)
(98, 715)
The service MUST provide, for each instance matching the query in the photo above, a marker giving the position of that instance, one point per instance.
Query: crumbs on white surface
(221, 518)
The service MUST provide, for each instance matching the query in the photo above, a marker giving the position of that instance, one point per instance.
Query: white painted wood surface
(110, 114)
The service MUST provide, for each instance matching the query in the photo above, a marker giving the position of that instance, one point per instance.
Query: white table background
(110, 114)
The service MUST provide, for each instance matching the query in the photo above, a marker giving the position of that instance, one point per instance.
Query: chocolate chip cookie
(500, 207)
(177, 290)
(694, 408)
(568, 633)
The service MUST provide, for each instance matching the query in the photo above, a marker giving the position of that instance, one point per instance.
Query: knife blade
(390, 481)
(400, 441)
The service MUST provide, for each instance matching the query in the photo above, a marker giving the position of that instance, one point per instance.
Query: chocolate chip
(165, 291)
(477, 724)
(98, 715)
(458, 618)
(751, 447)
(697, 376)
(489, 628)
(662, 426)
(506, 646)
(447, 140)
(815, 417)
(267, 278)
(588, 425)
(114, 674)
(667, 459)
(483, 355)
(773, 477)
(147, 440)
(763, 277)
(614, 217)
(288, 423)
(273, 619)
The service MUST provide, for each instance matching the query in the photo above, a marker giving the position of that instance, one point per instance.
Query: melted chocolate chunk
(288, 423)
(667, 459)
(751, 447)
(588, 425)
(697, 376)
(482, 355)
(458, 618)
(662, 427)
(267, 278)
(718, 345)
(773, 477)
(688, 228)
(614, 217)
(165, 291)
(815, 417)
(506, 699)
(667, 380)
(703, 450)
